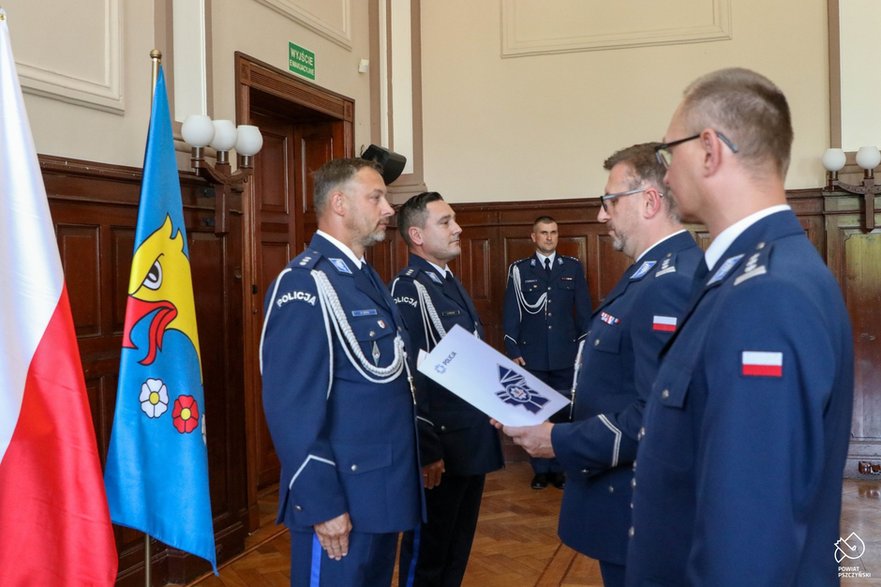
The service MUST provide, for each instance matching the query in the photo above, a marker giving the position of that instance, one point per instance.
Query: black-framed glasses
(664, 151)
(609, 197)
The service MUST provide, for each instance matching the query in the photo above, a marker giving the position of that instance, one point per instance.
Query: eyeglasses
(608, 197)
(664, 152)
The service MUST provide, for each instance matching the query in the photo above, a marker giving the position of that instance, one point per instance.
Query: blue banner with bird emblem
(157, 464)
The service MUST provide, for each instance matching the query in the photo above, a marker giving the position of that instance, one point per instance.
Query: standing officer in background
(619, 360)
(547, 312)
(748, 421)
(457, 445)
(336, 393)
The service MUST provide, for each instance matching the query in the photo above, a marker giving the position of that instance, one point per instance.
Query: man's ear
(415, 234)
(712, 146)
(652, 201)
(338, 202)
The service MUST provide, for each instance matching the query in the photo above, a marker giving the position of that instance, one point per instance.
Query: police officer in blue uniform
(747, 425)
(619, 360)
(336, 394)
(546, 314)
(458, 446)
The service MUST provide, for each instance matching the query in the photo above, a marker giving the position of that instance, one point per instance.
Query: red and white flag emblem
(664, 323)
(762, 364)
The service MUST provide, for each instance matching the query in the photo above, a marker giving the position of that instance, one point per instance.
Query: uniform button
(549, 314)
(443, 428)
(549, 326)
(633, 483)
(634, 465)
(611, 489)
(372, 334)
(585, 471)
(549, 288)
(299, 508)
(641, 433)
(665, 394)
(354, 468)
(596, 342)
(631, 532)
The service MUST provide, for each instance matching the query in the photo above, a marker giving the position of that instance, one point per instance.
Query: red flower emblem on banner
(185, 414)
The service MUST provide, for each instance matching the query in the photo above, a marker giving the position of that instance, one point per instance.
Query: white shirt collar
(721, 243)
(541, 258)
(346, 250)
(657, 243)
(441, 270)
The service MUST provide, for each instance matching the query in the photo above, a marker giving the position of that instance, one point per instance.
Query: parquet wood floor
(516, 542)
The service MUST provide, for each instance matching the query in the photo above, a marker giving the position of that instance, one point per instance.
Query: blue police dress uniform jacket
(746, 429)
(545, 331)
(449, 427)
(346, 443)
(619, 361)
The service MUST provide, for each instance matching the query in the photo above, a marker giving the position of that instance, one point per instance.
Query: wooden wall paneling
(853, 257)
(475, 267)
(94, 209)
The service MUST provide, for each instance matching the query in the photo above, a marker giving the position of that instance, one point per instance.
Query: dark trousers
(444, 542)
(370, 562)
(560, 380)
(613, 575)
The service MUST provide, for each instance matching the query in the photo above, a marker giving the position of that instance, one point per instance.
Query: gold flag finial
(155, 57)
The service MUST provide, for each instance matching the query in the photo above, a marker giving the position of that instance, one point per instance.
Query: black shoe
(559, 480)
(540, 481)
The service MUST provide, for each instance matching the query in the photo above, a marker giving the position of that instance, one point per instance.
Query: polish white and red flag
(664, 323)
(762, 364)
(54, 521)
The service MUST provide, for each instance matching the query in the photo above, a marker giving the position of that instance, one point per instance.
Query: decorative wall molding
(101, 94)
(521, 36)
(338, 32)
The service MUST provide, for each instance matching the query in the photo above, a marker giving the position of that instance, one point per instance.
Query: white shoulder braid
(335, 315)
(534, 308)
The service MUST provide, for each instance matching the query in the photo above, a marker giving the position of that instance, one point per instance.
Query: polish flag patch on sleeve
(664, 323)
(761, 364)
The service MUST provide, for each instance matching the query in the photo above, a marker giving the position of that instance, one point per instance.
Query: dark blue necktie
(548, 265)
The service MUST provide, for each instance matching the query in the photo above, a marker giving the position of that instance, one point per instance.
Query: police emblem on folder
(489, 381)
(517, 392)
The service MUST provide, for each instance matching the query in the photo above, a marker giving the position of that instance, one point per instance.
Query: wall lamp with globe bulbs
(199, 131)
(868, 158)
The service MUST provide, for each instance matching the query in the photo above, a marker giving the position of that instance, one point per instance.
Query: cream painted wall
(540, 126)
(263, 33)
(494, 129)
(76, 131)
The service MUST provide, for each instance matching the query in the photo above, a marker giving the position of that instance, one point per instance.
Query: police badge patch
(340, 265)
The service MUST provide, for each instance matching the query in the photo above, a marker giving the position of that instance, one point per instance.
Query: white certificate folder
(490, 381)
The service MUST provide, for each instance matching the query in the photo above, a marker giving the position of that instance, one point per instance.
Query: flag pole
(155, 58)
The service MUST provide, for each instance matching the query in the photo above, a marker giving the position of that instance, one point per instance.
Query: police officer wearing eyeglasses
(618, 361)
(747, 425)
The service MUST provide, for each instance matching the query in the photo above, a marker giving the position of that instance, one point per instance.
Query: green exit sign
(301, 61)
